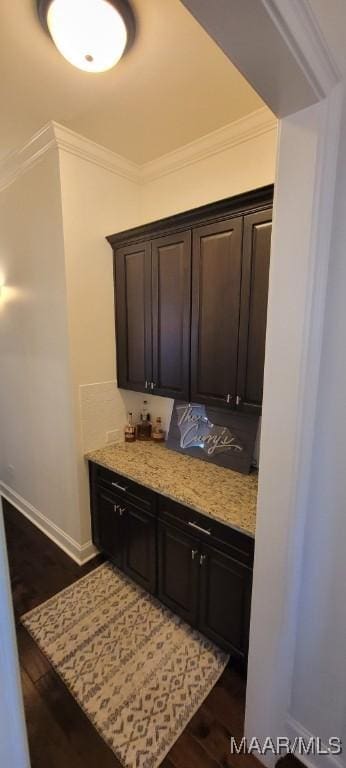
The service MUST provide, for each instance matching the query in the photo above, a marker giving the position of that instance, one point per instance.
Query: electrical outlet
(113, 436)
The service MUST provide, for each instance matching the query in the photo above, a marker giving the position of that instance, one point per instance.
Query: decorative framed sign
(222, 437)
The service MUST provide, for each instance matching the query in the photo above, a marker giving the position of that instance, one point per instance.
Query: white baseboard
(296, 729)
(80, 553)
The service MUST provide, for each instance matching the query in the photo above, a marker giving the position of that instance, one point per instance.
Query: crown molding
(246, 128)
(21, 160)
(299, 28)
(86, 149)
(56, 136)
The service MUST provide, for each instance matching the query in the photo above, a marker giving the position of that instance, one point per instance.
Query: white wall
(37, 437)
(95, 202)
(319, 675)
(247, 165)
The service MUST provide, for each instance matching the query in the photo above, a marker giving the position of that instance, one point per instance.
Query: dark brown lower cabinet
(207, 587)
(107, 527)
(201, 570)
(127, 536)
(178, 572)
(224, 600)
(140, 547)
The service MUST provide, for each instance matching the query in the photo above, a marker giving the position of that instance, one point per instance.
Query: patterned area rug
(137, 670)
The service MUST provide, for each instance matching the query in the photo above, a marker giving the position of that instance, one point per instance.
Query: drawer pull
(202, 559)
(119, 509)
(194, 552)
(120, 487)
(199, 528)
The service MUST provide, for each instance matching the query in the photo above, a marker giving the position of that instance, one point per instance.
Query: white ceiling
(174, 86)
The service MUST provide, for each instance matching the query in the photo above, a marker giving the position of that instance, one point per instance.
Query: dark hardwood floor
(60, 734)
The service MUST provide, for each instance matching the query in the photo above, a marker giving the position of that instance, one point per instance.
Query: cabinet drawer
(125, 488)
(208, 530)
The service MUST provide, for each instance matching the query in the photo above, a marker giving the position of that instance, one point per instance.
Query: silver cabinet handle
(199, 528)
(238, 400)
(120, 487)
(146, 384)
(228, 397)
(202, 559)
(118, 508)
(194, 552)
(152, 385)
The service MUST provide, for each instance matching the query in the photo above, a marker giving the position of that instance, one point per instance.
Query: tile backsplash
(104, 409)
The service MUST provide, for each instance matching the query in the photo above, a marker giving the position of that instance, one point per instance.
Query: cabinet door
(139, 547)
(133, 316)
(253, 315)
(171, 290)
(108, 527)
(216, 278)
(225, 595)
(178, 571)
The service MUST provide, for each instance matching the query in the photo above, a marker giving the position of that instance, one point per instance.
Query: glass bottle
(130, 430)
(158, 433)
(144, 425)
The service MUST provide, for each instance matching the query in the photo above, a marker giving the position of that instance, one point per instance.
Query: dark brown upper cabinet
(152, 299)
(133, 316)
(253, 315)
(191, 297)
(216, 282)
(171, 298)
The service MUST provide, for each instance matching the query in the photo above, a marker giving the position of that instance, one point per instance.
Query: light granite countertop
(207, 488)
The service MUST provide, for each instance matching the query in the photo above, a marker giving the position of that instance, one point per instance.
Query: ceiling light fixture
(91, 34)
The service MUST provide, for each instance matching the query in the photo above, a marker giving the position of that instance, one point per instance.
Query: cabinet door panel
(139, 547)
(108, 528)
(171, 281)
(178, 572)
(216, 278)
(133, 316)
(225, 594)
(254, 299)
